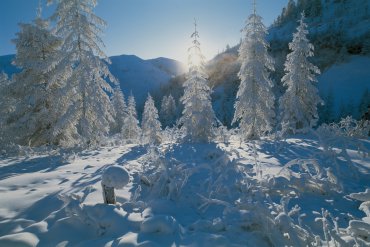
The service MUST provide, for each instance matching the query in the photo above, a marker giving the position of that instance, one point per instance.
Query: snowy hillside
(337, 29)
(263, 193)
(342, 50)
(346, 84)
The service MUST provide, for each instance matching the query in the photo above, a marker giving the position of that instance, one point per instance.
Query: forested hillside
(339, 31)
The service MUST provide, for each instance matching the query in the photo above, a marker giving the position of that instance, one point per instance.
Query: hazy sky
(153, 28)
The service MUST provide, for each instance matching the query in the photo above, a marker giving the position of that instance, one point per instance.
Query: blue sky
(153, 28)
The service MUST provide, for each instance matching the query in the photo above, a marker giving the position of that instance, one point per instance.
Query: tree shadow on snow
(133, 154)
(43, 207)
(285, 151)
(31, 165)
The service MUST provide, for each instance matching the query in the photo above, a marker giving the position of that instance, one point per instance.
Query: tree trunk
(108, 195)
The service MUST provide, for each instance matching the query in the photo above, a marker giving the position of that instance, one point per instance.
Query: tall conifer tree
(35, 87)
(84, 104)
(130, 128)
(120, 109)
(254, 106)
(150, 125)
(198, 117)
(298, 105)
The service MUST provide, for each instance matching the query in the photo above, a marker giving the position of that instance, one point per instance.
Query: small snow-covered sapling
(114, 177)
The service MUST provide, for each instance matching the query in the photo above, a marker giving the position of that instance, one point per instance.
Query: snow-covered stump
(114, 177)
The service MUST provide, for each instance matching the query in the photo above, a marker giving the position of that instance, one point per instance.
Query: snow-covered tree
(130, 128)
(197, 118)
(164, 110)
(168, 111)
(84, 105)
(299, 103)
(254, 106)
(6, 101)
(150, 125)
(35, 87)
(120, 109)
(7, 106)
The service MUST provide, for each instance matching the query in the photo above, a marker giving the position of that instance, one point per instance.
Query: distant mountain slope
(142, 76)
(134, 74)
(170, 66)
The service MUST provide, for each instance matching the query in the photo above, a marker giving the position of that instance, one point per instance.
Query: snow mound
(159, 224)
(305, 175)
(116, 177)
(23, 239)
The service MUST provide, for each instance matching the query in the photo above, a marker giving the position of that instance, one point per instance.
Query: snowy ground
(184, 195)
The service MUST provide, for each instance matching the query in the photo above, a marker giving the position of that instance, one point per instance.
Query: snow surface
(183, 195)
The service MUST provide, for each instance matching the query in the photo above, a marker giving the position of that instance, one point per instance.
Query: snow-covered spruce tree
(168, 111)
(7, 106)
(254, 106)
(163, 111)
(85, 108)
(197, 118)
(298, 105)
(150, 125)
(130, 128)
(35, 87)
(120, 109)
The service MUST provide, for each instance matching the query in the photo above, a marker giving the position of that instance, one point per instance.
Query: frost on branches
(299, 103)
(254, 106)
(83, 103)
(197, 117)
(150, 125)
(120, 110)
(130, 128)
(34, 89)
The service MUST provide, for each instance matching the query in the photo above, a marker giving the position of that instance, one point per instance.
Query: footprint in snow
(63, 181)
(87, 167)
(30, 191)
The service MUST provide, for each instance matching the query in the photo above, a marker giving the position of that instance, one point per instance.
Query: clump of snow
(360, 229)
(362, 196)
(103, 218)
(116, 177)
